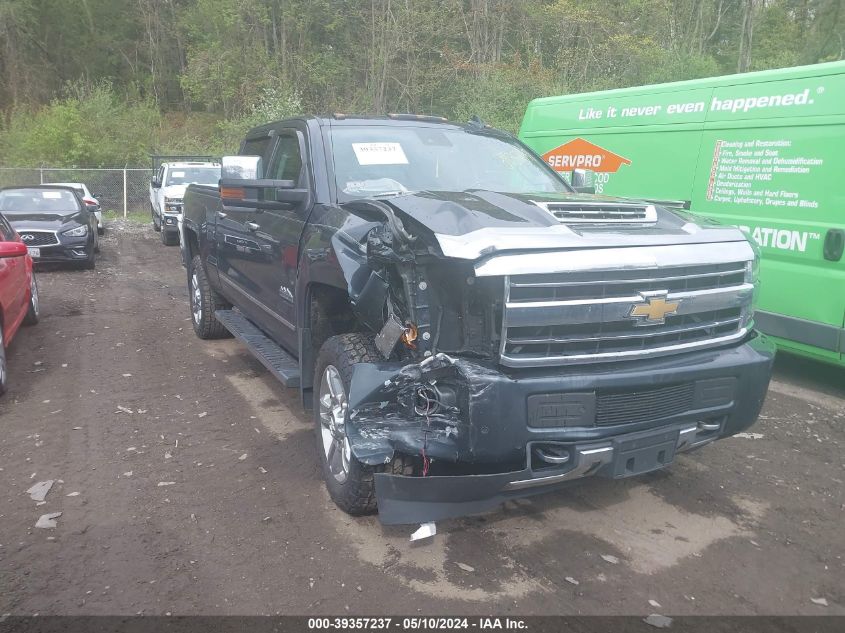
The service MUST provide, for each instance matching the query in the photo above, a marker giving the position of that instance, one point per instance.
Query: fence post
(41, 174)
(124, 192)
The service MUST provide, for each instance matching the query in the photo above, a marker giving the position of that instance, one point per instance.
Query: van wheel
(205, 301)
(350, 483)
(34, 310)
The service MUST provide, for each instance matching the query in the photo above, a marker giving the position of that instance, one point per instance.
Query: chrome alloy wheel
(333, 405)
(33, 289)
(196, 298)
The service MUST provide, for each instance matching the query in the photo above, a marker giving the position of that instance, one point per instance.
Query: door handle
(834, 244)
(252, 226)
(221, 214)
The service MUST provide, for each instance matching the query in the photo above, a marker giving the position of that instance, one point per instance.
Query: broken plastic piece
(425, 530)
(38, 491)
(48, 521)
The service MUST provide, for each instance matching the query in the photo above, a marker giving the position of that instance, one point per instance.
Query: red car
(18, 292)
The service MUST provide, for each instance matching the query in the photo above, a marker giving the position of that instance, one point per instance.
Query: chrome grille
(586, 316)
(38, 238)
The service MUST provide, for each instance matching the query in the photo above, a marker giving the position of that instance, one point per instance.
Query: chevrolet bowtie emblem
(653, 310)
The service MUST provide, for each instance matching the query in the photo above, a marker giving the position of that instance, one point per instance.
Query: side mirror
(242, 168)
(155, 183)
(12, 249)
(583, 181)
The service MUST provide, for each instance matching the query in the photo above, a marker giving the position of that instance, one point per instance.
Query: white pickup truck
(167, 189)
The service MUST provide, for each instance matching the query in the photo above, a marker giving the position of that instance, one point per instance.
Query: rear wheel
(350, 482)
(34, 310)
(205, 301)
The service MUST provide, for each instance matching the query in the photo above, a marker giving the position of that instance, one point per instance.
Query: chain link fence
(118, 190)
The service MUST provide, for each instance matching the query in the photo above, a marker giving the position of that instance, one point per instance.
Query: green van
(763, 151)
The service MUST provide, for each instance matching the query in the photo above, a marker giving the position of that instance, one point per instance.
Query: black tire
(101, 229)
(156, 225)
(91, 262)
(355, 495)
(97, 242)
(169, 238)
(206, 326)
(4, 370)
(33, 312)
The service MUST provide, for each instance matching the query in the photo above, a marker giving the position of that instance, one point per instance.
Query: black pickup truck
(466, 327)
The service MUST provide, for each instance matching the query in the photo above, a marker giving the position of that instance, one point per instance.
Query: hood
(475, 223)
(174, 191)
(44, 221)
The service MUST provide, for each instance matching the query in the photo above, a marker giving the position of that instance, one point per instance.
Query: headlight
(79, 231)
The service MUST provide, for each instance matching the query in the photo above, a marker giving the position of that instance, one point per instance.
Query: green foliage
(89, 127)
(190, 76)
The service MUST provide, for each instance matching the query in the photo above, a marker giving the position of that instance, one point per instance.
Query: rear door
(776, 171)
(277, 228)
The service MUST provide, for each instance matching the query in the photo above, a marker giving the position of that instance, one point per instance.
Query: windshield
(193, 175)
(386, 160)
(14, 201)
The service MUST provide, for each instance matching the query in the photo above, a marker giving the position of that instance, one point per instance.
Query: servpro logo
(581, 154)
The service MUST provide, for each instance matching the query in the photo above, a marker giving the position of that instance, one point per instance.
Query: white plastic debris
(655, 604)
(750, 436)
(128, 473)
(202, 415)
(658, 621)
(426, 530)
(38, 491)
(262, 470)
(123, 409)
(571, 580)
(465, 567)
(47, 521)
(610, 559)
(72, 494)
(822, 602)
(242, 457)
(165, 483)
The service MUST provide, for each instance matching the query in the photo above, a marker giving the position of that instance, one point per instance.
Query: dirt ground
(187, 480)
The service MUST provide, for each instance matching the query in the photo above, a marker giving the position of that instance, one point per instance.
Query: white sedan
(91, 203)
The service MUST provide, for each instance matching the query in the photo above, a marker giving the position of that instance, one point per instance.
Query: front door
(278, 230)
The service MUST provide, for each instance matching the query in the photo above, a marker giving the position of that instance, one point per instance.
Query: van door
(776, 171)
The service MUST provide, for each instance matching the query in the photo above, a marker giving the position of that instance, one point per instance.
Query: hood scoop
(600, 212)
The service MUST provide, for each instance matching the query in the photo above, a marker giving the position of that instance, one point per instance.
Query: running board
(281, 364)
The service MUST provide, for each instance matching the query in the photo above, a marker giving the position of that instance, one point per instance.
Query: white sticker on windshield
(177, 174)
(379, 154)
(52, 195)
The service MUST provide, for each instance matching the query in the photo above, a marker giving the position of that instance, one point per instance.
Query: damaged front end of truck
(514, 360)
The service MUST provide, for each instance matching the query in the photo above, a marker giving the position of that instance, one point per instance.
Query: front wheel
(34, 310)
(156, 225)
(205, 301)
(169, 238)
(350, 482)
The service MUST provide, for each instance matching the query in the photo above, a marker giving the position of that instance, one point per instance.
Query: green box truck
(763, 151)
